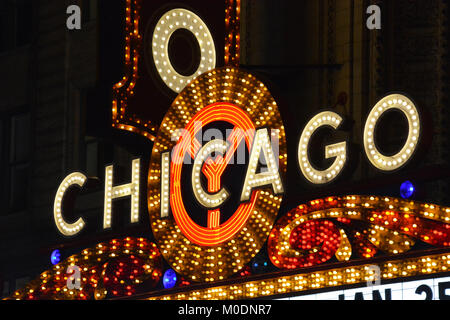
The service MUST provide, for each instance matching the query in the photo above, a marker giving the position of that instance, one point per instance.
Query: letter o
(170, 22)
(407, 107)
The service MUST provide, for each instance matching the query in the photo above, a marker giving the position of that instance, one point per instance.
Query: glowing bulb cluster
(131, 189)
(306, 279)
(117, 268)
(373, 224)
(271, 176)
(214, 252)
(121, 117)
(165, 184)
(315, 241)
(206, 199)
(65, 228)
(232, 32)
(170, 22)
(344, 251)
(338, 150)
(407, 107)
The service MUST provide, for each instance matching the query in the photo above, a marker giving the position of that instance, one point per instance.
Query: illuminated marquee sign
(219, 160)
(221, 246)
(154, 74)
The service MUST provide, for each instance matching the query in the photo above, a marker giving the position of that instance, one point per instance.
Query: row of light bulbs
(304, 281)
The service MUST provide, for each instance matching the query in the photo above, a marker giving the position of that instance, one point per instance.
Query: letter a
(374, 21)
(269, 177)
(74, 20)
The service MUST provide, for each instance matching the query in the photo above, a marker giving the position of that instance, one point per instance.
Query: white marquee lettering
(338, 150)
(270, 176)
(131, 189)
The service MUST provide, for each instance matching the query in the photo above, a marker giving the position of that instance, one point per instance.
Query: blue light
(55, 257)
(407, 189)
(169, 279)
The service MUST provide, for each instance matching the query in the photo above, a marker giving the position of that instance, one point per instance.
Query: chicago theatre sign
(216, 180)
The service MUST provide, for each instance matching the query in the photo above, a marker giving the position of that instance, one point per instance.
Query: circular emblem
(214, 233)
(213, 227)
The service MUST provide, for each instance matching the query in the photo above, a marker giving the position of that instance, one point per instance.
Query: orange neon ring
(221, 111)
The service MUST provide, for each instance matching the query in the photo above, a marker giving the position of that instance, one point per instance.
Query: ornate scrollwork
(117, 268)
(362, 226)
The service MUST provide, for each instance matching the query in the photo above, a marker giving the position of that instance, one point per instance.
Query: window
(92, 156)
(15, 151)
(5, 289)
(15, 23)
(96, 153)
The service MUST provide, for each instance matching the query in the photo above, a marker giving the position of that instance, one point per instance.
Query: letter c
(65, 228)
